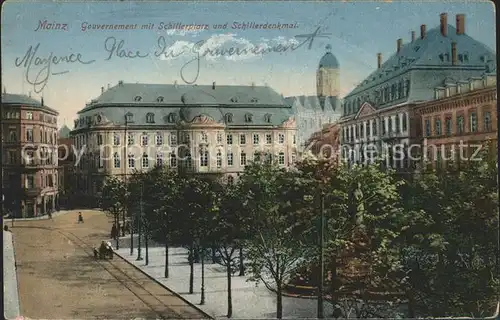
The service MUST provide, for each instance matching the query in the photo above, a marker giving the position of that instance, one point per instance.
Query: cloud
(217, 47)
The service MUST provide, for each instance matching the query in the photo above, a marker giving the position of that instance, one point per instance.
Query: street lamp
(139, 257)
(321, 256)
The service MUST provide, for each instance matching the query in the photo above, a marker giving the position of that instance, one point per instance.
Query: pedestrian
(113, 231)
(50, 214)
(80, 217)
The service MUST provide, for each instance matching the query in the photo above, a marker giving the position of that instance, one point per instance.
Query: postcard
(249, 160)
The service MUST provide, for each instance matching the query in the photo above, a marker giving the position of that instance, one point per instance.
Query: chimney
(399, 44)
(460, 23)
(102, 89)
(443, 18)
(454, 53)
(422, 31)
(213, 85)
(379, 60)
(412, 36)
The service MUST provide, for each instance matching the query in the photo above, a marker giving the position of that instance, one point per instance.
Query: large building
(380, 112)
(313, 112)
(208, 129)
(461, 121)
(67, 161)
(30, 162)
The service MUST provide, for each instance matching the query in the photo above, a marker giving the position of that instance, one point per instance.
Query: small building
(30, 164)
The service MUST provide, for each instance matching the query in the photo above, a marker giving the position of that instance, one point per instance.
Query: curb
(166, 288)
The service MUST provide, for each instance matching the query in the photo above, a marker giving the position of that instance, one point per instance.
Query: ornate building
(312, 112)
(463, 113)
(30, 162)
(207, 129)
(380, 111)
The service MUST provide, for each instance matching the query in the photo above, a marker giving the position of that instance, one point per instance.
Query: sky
(356, 31)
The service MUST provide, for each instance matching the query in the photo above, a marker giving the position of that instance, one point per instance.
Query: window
(159, 139)
(12, 157)
(256, 138)
(219, 159)
(269, 138)
(171, 118)
(204, 137)
(173, 160)
(248, 117)
(130, 139)
(383, 127)
(116, 160)
(159, 159)
(374, 127)
(173, 139)
(12, 135)
(144, 139)
(243, 139)
(160, 99)
(267, 118)
(29, 135)
(281, 158)
(129, 117)
(230, 158)
(256, 157)
(150, 118)
(116, 139)
(400, 90)
(131, 161)
(268, 158)
(41, 136)
(204, 158)
(219, 138)
(230, 180)
(229, 139)
(29, 115)
(460, 124)
(294, 140)
(404, 123)
(397, 124)
(229, 118)
(448, 125)
(438, 128)
(145, 160)
(427, 128)
(99, 161)
(243, 159)
(186, 138)
(28, 158)
(487, 121)
(137, 98)
(473, 121)
(30, 181)
(389, 124)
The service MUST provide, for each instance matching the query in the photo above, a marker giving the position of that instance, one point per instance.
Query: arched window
(129, 117)
(145, 160)
(150, 118)
(171, 118)
(13, 136)
(116, 160)
(229, 117)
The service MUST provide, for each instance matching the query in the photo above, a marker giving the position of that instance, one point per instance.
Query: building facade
(313, 112)
(195, 128)
(30, 162)
(460, 122)
(67, 161)
(379, 117)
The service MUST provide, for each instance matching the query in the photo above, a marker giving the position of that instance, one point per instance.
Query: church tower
(327, 76)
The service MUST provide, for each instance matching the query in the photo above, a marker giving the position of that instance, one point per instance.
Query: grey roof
(329, 61)
(426, 53)
(186, 102)
(64, 132)
(22, 99)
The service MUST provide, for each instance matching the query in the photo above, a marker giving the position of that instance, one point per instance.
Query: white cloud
(218, 44)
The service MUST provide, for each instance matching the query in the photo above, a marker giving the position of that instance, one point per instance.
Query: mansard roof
(430, 53)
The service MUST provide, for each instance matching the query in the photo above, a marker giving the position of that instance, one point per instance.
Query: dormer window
(460, 57)
(441, 57)
(137, 98)
(171, 118)
(160, 99)
(229, 117)
(129, 117)
(482, 58)
(466, 57)
(98, 118)
(234, 99)
(267, 118)
(254, 100)
(150, 118)
(416, 48)
(248, 117)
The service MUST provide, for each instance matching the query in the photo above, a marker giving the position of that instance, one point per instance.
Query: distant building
(29, 134)
(381, 110)
(67, 161)
(326, 143)
(312, 112)
(464, 112)
(208, 129)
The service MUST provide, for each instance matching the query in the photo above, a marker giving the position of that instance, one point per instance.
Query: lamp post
(139, 257)
(321, 256)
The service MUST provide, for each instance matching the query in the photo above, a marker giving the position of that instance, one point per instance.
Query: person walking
(50, 214)
(80, 217)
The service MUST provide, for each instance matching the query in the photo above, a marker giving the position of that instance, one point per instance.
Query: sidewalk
(45, 217)
(249, 300)
(10, 290)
